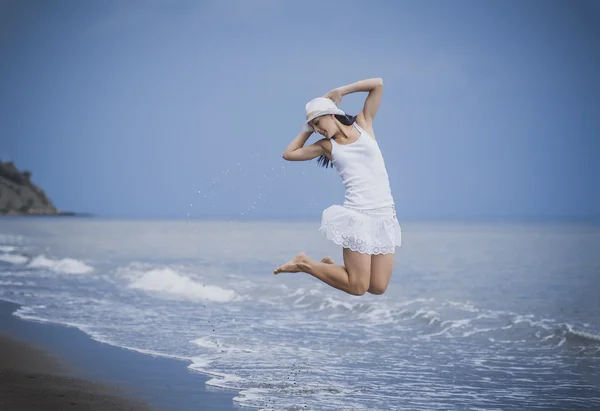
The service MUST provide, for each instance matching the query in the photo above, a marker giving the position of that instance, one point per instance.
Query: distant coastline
(20, 197)
(41, 214)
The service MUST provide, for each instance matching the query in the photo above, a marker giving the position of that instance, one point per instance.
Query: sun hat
(317, 107)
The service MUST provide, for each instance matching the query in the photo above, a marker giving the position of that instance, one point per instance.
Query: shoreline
(51, 366)
(57, 214)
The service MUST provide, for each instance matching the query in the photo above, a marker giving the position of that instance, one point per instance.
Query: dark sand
(51, 367)
(30, 379)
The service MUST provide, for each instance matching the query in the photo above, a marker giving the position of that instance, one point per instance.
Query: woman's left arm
(374, 86)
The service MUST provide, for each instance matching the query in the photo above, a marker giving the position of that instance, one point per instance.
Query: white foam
(548, 337)
(330, 302)
(170, 282)
(479, 330)
(251, 394)
(65, 265)
(13, 258)
(7, 248)
(220, 379)
(216, 344)
(430, 315)
(207, 342)
(464, 306)
(457, 323)
(140, 350)
(24, 314)
(199, 363)
(378, 316)
(590, 336)
(415, 301)
(437, 334)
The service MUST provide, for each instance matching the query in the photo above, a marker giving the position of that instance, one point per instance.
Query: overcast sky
(163, 109)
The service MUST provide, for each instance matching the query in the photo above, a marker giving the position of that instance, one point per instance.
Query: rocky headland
(19, 196)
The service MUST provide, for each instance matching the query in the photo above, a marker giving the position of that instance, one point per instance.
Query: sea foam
(65, 265)
(167, 281)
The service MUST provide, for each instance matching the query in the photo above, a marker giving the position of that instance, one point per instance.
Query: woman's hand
(335, 95)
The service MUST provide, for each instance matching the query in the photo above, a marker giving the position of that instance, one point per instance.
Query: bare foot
(293, 266)
(328, 260)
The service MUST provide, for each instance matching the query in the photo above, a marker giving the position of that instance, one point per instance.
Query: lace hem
(373, 231)
(357, 244)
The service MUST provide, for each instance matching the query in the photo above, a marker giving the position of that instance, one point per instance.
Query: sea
(478, 315)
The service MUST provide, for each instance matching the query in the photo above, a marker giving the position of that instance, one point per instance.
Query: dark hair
(346, 120)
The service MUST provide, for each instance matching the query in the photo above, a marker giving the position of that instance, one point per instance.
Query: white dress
(366, 222)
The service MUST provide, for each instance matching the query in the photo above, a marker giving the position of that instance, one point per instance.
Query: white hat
(317, 107)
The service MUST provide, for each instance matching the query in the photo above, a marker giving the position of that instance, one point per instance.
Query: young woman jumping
(365, 225)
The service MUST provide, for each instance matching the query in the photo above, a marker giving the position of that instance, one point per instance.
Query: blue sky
(164, 109)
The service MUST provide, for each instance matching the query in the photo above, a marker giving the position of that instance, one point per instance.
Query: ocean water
(477, 316)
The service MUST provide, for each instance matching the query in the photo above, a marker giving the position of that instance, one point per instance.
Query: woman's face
(324, 125)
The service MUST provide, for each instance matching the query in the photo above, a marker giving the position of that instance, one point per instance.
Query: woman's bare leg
(382, 266)
(353, 277)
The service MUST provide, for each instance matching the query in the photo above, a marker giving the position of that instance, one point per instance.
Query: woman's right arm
(296, 151)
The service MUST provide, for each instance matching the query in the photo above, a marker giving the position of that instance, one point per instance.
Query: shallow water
(477, 315)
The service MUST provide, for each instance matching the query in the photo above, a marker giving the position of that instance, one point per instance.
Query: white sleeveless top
(363, 173)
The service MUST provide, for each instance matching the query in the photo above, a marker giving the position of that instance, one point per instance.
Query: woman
(365, 225)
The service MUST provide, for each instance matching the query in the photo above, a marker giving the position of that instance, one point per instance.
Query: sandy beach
(51, 367)
(32, 380)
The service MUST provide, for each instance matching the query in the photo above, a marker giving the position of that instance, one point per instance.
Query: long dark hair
(346, 120)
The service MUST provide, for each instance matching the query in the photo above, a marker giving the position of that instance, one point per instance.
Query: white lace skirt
(374, 231)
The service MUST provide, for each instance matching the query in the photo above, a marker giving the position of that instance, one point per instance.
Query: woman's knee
(359, 287)
(377, 288)
(359, 282)
(381, 273)
(358, 267)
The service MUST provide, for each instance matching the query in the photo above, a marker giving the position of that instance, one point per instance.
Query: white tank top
(362, 170)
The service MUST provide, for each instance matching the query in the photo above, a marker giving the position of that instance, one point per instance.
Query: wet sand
(31, 379)
(51, 367)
